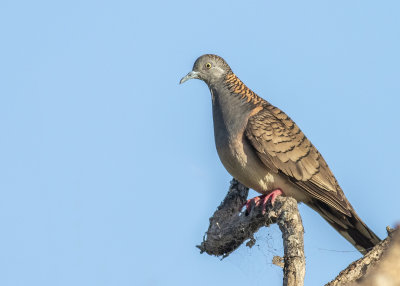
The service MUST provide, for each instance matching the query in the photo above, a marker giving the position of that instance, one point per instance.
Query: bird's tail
(351, 227)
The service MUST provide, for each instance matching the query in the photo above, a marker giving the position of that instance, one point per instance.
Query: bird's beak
(191, 75)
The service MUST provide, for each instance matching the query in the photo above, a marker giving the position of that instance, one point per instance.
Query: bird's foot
(263, 200)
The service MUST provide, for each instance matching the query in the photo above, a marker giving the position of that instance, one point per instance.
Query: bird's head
(209, 68)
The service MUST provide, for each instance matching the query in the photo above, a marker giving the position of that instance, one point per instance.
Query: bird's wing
(283, 147)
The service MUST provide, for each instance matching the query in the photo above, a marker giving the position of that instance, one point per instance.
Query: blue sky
(108, 167)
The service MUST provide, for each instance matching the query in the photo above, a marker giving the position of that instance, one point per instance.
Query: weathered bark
(380, 266)
(229, 228)
(387, 271)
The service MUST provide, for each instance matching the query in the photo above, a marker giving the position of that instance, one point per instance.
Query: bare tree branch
(229, 228)
(387, 271)
(380, 266)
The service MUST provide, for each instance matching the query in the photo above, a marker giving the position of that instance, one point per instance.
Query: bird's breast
(243, 164)
(237, 154)
(241, 161)
(238, 158)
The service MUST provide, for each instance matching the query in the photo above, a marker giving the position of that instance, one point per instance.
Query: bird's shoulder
(275, 134)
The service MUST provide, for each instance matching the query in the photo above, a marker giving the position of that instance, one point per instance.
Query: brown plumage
(283, 147)
(265, 150)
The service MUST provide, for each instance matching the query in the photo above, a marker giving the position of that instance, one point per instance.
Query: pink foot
(263, 199)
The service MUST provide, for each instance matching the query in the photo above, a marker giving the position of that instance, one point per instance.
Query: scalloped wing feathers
(283, 147)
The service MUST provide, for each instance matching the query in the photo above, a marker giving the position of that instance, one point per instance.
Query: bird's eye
(208, 65)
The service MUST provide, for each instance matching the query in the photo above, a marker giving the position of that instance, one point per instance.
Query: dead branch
(229, 228)
(379, 267)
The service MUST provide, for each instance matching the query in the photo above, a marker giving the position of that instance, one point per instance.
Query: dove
(261, 147)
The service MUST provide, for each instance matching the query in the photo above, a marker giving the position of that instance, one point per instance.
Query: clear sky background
(108, 170)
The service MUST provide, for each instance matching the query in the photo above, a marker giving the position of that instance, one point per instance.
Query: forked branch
(229, 228)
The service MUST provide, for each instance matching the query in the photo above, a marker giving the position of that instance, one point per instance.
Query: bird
(265, 150)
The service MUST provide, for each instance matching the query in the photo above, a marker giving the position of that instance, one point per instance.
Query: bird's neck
(233, 103)
(238, 89)
(231, 95)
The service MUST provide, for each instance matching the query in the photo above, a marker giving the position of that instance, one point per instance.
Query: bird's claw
(262, 200)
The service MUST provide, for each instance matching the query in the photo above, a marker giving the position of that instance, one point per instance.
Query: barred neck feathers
(238, 88)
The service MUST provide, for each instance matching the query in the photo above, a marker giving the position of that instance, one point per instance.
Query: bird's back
(264, 149)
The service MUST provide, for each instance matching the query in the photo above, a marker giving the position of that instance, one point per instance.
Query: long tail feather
(351, 227)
